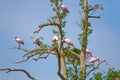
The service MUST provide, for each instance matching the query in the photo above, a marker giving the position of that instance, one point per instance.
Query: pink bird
(88, 52)
(64, 8)
(55, 38)
(37, 41)
(19, 41)
(68, 41)
(93, 59)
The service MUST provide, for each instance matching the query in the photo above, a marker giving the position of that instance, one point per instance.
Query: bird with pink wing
(88, 52)
(19, 41)
(37, 41)
(64, 8)
(68, 42)
(55, 38)
(94, 59)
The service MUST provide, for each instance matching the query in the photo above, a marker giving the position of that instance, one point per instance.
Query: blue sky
(22, 17)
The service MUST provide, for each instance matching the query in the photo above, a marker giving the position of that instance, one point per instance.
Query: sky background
(22, 17)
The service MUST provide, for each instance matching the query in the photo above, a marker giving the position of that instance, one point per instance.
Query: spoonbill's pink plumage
(93, 59)
(55, 38)
(19, 41)
(37, 41)
(89, 52)
(68, 41)
(64, 8)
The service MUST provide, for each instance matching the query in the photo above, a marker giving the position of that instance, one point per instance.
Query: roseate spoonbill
(68, 41)
(88, 52)
(19, 41)
(64, 8)
(55, 38)
(37, 41)
(93, 59)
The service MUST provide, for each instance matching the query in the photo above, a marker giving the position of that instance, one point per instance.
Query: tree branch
(74, 53)
(21, 70)
(59, 66)
(80, 14)
(39, 57)
(19, 49)
(94, 17)
(34, 52)
(96, 6)
(94, 68)
(23, 60)
(44, 25)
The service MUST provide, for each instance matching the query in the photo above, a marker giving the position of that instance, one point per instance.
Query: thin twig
(80, 14)
(19, 48)
(21, 61)
(21, 70)
(94, 17)
(39, 57)
(96, 6)
(94, 68)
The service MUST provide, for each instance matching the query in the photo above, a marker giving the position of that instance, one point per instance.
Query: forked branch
(59, 66)
(20, 70)
(95, 68)
(38, 51)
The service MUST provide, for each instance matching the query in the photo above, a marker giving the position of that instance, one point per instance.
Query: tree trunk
(62, 58)
(84, 41)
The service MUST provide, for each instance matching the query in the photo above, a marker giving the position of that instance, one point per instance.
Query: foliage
(110, 75)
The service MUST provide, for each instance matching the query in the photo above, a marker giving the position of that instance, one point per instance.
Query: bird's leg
(19, 46)
(93, 65)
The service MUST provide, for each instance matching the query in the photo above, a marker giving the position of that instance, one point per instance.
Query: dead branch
(23, 60)
(44, 25)
(21, 70)
(95, 68)
(96, 6)
(94, 17)
(80, 14)
(19, 48)
(39, 57)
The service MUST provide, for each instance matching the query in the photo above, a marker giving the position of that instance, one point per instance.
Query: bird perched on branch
(37, 41)
(88, 52)
(93, 59)
(68, 42)
(19, 41)
(55, 38)
(64, 8)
